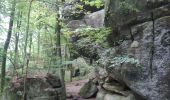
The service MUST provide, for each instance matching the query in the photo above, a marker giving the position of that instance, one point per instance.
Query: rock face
(146, 69)
(95, 19)
(154, 57)
(77, 9)
(109, 88)
(46, 87)
(86, 46)
(122, 15)
(121, 12)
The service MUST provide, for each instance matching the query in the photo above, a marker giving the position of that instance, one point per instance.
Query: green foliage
(96, 3)
(125, 8)
(121, 10)
(123, 59)
(88, 39)
(97, 35)
(83, 7)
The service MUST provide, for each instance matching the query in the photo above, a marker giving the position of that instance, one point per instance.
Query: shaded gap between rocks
(152, 45)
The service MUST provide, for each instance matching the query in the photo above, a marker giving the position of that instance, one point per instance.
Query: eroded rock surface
(44, 87)
(146, 68)
(88, 90)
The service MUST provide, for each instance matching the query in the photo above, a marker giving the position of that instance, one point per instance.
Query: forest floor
(73, 88)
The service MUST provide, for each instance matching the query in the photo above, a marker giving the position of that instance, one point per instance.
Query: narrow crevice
(131, 35)
(152, 45)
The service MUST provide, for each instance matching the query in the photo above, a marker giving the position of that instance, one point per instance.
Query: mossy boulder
(88, 90)
(38, 87)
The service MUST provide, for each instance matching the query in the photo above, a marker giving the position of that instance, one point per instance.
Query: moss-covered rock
(88, 90)
(41, 87)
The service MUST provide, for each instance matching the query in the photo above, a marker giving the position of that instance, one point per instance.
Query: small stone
(135, 44)
(69, 95)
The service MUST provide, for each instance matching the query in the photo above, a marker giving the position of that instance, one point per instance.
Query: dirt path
(73, 89)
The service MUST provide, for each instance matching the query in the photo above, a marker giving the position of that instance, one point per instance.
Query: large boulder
(43, 87)
(144, 66)
(153, 54)
(95, 19)
(88, 90)
(77, 9)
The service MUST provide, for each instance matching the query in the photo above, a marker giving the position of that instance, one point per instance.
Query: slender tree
(58, 46)
(17, 34)
(27, 33)
(38, 43)
(26, 55)
(6, 45)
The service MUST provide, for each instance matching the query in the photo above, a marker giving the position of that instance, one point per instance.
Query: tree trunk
(26, 55)
(27, 33)
(6, 45)
(16, 56)
(30, 45)
(58, 45)
(38, 45)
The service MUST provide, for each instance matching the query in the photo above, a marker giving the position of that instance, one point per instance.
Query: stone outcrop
(85, 46)
(40, 87)
(109, 88)
(140, 58)
(142, 39)
(88, 90)
(94, 20)
(77, 9)
(121, 16)
(119, 13)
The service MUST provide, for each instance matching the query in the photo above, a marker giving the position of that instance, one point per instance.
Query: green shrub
(123, 59)
(97, 35)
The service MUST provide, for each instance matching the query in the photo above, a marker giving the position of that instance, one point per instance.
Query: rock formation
(39, 87)
(147, 40)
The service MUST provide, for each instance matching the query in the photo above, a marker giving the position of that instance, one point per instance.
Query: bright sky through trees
(4, 28)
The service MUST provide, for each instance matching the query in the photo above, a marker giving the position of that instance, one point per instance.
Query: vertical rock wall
(148, 31)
